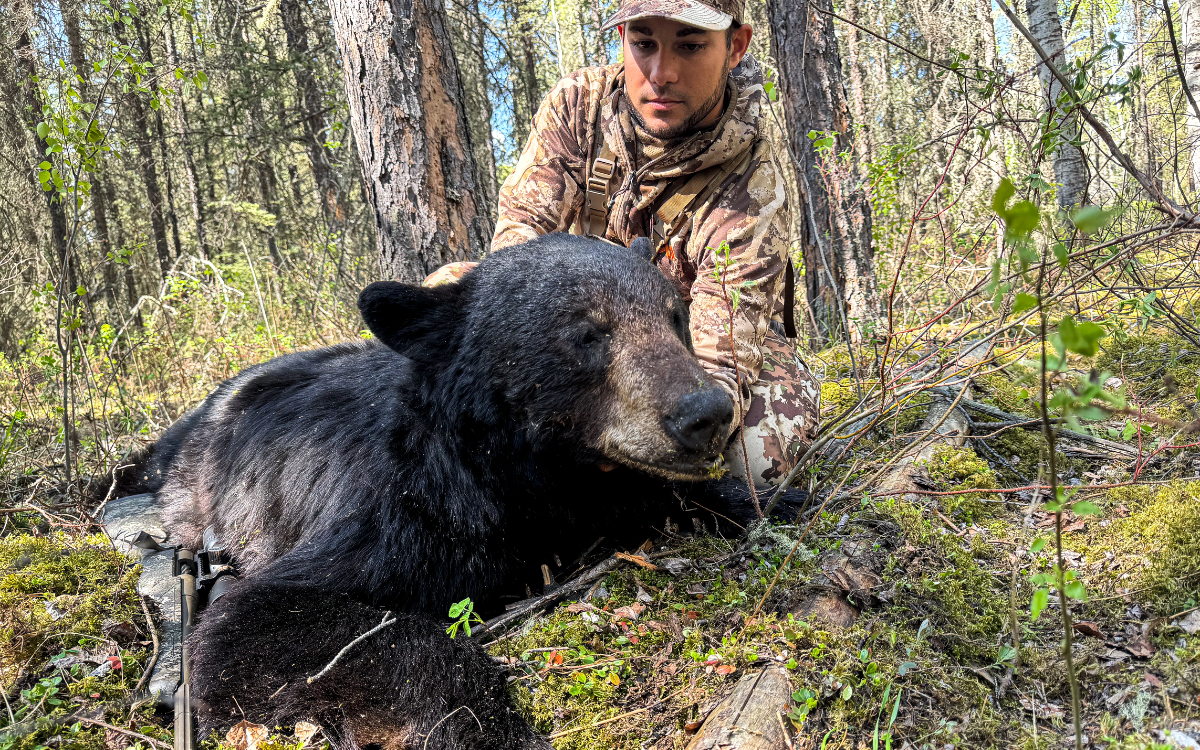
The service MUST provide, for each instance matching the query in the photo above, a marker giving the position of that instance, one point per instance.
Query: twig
(128, 732)
(567, 588)
(796, 546)
(786, 737)
(1178, 63)
(625, 715)
(352, 643)
(447, 716)
(637, 560)
(154, 637)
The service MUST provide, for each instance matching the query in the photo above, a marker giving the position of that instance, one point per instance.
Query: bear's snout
(700, 420)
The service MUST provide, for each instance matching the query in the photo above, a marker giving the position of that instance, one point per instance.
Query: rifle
(204, 575)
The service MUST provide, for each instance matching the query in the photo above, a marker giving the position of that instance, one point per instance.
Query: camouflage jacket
(546, 191)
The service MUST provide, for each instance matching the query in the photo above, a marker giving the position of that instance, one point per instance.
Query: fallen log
(749, 718)
(1017, 420)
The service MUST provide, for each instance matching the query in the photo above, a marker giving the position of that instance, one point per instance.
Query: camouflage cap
(713, 15)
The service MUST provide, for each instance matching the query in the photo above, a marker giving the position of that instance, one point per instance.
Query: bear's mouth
(687, 471)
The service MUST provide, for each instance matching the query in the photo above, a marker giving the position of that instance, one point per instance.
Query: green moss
(1157, 545)
(80, 581)
(962, 469)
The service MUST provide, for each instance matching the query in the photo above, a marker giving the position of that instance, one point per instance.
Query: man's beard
(693, 119)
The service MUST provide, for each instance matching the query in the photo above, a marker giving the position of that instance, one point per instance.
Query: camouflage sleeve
(544, 192)
(750, 213)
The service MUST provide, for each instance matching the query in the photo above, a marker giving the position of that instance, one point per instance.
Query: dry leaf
(577, 607)
(1077, 525)
(1140, 647)
(629, 613)
(692, 726)
(696, 589)
(655, 625)
(1089, 629)
(643, 596)
(246, 735)
(726, 669)
(1152, 678)
(305, 731)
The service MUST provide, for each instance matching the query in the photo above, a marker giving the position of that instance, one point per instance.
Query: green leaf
(1041, 598)
(1082, 338)
(1021, 220)
(1092, 412)
(43, 130)
(847, 693)
(1004, 191)
(906, 667)
(1091, 219)
(1076, 590)
(1038, 545)
(457, 608)
(1060, 254)
(1085, 508)
(1024, 302)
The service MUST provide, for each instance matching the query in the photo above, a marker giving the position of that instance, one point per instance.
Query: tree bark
(469, 45)
(836, 215)
(185, 145)
(27, 70)
(601, 49)
(70, 15)
(331, 194)
(1190, 10)
(1070, 169)
(405, 97)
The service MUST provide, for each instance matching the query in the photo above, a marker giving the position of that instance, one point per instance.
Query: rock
(676, 566)
(1191, 623)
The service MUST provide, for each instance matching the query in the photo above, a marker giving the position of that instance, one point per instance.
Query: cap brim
(684, 11)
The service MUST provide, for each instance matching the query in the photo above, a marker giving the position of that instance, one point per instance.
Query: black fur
(254, 651)
(491, 426)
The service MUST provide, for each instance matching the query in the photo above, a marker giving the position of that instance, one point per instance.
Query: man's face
(675, 74)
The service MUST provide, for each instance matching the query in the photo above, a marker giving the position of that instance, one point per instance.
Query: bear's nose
(700, 418)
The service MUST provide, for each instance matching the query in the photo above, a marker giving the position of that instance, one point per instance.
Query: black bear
(548, 398)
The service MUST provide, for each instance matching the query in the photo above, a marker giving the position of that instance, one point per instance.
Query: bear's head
(584, 344)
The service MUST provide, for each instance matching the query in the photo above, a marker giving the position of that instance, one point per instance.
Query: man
(671, 145)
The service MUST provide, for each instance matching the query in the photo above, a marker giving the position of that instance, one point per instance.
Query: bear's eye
(594, 335)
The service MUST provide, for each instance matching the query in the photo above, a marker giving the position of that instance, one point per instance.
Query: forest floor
(891, 613)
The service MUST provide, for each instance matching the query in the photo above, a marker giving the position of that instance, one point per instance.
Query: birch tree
(1070, 169)
(1190, 10)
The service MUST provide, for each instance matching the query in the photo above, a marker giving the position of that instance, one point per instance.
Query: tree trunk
(996, 155)
(329, 189)
(1070, 169)
(858, 100)
(601, 49)
(70, 16)
(469, 45)
(145, 151)
(27, 69)
(185, 145)
(406, 108)
(836, 215)
(1190, 10)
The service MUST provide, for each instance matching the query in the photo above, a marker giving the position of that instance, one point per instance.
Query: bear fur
(548, 398)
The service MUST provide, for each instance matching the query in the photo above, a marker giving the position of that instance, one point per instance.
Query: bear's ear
(403, 315)
(643, 246)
